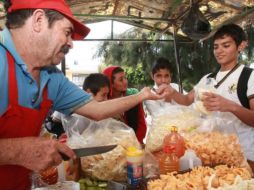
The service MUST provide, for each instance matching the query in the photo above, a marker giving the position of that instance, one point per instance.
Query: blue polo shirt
(65, 95)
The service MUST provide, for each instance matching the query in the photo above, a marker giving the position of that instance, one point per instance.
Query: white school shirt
(228, 89)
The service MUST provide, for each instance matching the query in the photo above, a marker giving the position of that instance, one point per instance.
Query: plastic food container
(189, 160)
(66, 185)
(134, 165)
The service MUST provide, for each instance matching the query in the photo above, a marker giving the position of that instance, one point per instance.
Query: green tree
(137, 57)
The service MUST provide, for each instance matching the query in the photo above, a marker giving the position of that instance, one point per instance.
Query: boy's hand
(215, 102)
(167, 90)
(147, 94)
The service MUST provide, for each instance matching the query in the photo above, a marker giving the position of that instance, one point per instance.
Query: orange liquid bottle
(174, 139)
(168, 162)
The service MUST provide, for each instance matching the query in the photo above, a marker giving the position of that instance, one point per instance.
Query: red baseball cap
(80, 30)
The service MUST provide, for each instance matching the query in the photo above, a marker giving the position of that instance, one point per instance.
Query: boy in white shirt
(161, 74)
(230, 96)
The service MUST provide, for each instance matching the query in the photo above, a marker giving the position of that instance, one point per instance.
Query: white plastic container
(189, 160)
(66, 185)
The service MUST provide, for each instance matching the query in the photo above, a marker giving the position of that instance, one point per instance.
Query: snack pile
(107, 166)
(215, 148)
(110, 165)
(203, 178)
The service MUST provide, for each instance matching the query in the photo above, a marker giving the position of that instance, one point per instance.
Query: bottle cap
(173, 129)
(133, 151)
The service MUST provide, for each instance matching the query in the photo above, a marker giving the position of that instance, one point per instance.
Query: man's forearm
(10, 151)
(101, 110)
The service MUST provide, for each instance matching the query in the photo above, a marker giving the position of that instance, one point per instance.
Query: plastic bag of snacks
(215, 148)
(107, 166)
(199, 90)
(214, 137)
(184, 118)
(216, 142)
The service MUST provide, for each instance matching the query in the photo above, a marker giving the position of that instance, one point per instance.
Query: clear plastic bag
(199, 90)
(214, 138)
(74, 126)
(184, 118)
(216, 141)
(151, 167)
(106, 166)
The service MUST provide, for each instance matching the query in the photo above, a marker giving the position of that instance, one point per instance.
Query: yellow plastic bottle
(134, 165)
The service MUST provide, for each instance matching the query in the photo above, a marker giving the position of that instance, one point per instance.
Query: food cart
(166, 17)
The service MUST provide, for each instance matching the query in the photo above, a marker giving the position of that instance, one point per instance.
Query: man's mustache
(65, 49)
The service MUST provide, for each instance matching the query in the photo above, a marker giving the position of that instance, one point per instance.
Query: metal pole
(124, 18)
(178, 64)
(134, 40)
(112, 29)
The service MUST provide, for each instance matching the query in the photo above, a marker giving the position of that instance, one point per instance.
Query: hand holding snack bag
(199, 96)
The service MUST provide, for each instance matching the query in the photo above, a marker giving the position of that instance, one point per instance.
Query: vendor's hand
(167, 90)
(215, 102)
(63, 138)
(148, 94)
(40, 153)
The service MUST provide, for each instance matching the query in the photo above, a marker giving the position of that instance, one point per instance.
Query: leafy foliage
(196, 59)
(249, 56)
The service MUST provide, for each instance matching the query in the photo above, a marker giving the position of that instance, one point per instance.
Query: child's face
(162, 76)
(225, 50)
(120, 82)
(102, 94)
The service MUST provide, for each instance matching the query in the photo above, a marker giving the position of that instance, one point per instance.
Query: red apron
(19, 121)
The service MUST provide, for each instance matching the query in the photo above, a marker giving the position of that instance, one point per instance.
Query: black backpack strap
(242, 86)
(213, 74)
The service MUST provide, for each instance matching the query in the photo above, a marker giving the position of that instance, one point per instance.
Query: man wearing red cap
(37, 36)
